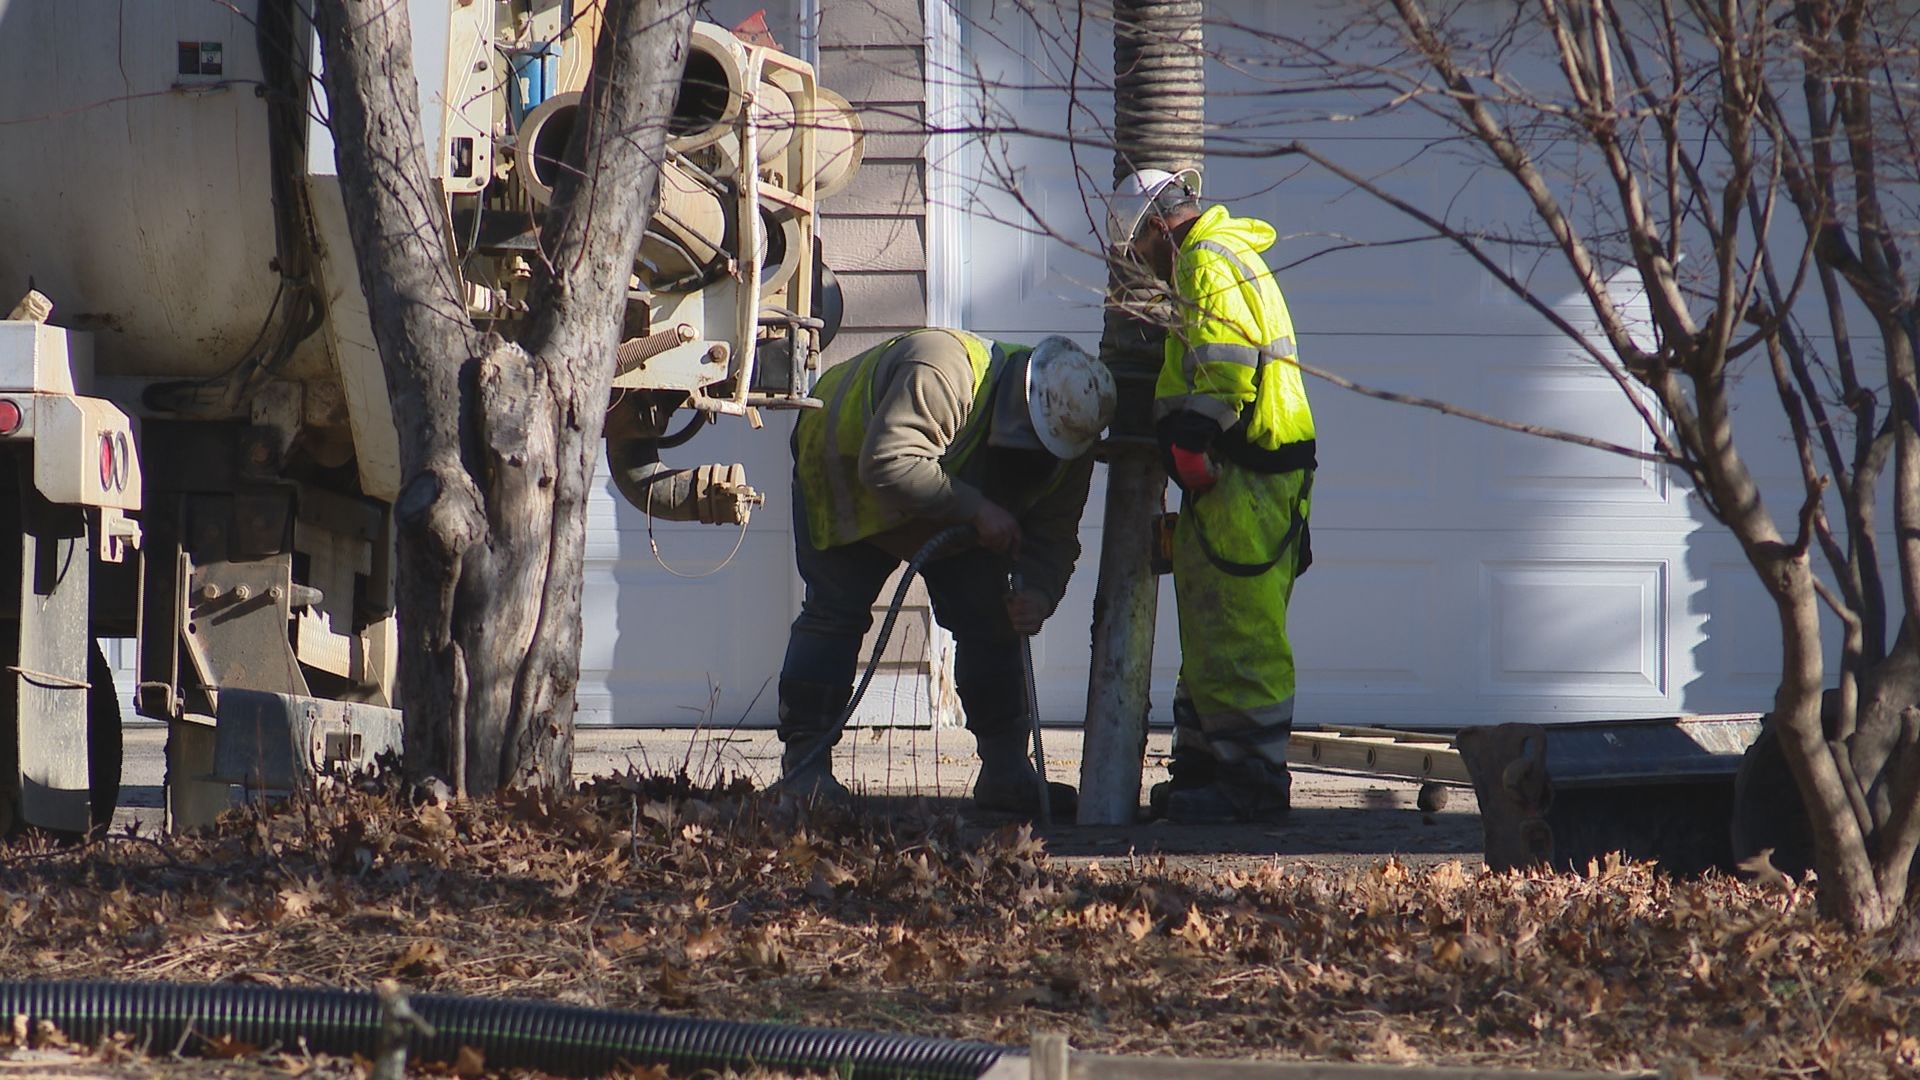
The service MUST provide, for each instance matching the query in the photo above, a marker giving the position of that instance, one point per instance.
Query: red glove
(1193, 470)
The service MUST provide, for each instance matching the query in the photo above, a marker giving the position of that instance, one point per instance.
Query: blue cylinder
(536, 77)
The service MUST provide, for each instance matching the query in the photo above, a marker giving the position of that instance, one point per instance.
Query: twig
(1539, 430)
(397, 1021)
(1809, 509)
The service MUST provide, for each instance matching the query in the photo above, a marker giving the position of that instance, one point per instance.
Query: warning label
(202, 58)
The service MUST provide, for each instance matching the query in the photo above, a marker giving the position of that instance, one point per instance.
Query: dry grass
(647, 893)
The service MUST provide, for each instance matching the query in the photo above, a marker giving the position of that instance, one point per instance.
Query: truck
(199, 451)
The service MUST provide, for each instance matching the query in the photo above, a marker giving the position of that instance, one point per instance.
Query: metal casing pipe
(1159, 63)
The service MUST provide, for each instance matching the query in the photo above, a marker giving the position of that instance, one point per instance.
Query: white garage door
(1463, 574)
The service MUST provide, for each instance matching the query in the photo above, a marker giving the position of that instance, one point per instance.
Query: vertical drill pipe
(1159, 67)
(1033, 721)
(1039, 751)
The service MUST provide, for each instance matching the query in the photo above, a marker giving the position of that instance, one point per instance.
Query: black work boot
(1251, 791)
(1008, 784)
(1190, 769)
(806, 770)
(808, 713)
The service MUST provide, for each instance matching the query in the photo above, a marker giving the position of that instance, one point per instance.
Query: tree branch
(1667, 450)
(1523, 169)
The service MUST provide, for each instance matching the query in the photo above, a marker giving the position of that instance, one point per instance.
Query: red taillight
(9, 417)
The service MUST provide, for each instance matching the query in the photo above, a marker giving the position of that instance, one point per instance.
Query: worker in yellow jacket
(931, 429)
(1237, 435)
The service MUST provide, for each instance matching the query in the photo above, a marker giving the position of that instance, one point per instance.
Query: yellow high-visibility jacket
(1231, 382)
(1229, 354)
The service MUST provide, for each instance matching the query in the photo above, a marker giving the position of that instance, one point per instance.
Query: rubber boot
(1253, 791)
(808, 713)
(1008, 785)
(1191, 768)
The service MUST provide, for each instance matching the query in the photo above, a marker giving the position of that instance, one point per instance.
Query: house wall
(875, 232)
(1464, 575)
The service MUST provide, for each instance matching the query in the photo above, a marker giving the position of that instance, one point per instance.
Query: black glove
(1185, 438)
(1187, 430)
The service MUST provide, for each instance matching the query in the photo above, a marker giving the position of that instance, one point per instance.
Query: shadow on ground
(1325, 835)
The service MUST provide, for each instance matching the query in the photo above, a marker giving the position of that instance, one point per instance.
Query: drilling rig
(199, 449)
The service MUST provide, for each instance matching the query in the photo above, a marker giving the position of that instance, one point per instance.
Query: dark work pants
(969, 593)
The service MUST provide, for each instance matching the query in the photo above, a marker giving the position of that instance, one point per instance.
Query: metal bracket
(117, 534)
(278, 743)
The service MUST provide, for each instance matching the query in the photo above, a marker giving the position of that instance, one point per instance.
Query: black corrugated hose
(509, 1034)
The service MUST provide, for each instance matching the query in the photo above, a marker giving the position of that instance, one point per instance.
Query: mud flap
(46, 681)
(1508, 764)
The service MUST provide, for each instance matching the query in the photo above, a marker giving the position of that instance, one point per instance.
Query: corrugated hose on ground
(509, 1034)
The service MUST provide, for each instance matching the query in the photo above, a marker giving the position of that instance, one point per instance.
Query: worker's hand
(999, 531)
(1027, 609)
(1194, 470)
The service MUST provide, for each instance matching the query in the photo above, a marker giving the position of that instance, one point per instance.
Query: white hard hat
(1134, 195)
(1069, 397)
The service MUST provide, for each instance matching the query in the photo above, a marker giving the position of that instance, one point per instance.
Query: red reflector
(106, 461)
(9, 417)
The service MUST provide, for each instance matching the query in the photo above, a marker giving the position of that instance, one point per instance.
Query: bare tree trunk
(498, 439)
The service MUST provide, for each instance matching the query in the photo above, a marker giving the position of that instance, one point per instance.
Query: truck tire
(104, 740)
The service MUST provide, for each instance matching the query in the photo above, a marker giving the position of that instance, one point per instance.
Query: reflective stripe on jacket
(827, 442)
(1227, 354)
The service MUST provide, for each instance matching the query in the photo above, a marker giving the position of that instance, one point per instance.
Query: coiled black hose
(510, 1034)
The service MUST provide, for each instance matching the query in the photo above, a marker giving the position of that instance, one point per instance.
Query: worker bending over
(932, 429)
(1237, 436)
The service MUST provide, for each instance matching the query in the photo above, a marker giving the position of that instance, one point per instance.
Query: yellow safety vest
(827, 441)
